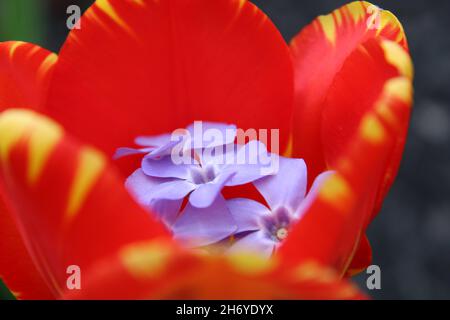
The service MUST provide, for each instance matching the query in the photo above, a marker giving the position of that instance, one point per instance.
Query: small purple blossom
(162, 184)
(196, 165)
(262, 229)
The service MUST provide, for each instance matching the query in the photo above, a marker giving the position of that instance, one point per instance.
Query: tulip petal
(149, 67)
(362, 71)
(332, 227)
(320, 52)
(391, 100)
(25, 73)
(16, 267)
(57, 189)
(155, 270)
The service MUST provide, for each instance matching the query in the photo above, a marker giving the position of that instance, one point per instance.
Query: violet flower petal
(164, 150)
(124, 152)
(166, 210)
(206, 193)
(288, 187)
(165, 168)
(247, 213)
(255, 242)
(200, 227)
(142, 186)
(252, 162)
(173, 190)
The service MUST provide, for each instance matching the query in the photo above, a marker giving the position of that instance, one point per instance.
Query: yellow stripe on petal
(336, 191)
(383, 109)
(372, 129)
(46, 65)
(242, 4)
(400, 88)
(398, 57)
(146, 260)
(108, 9)
(251, 263)
(90, 165)
(13, 125)
(290, 147)
(329, 27)
(14, 47)
(338, 16)
(44, 137)
(389, 19)
(33, 51)
(357, 10)
(312, 271)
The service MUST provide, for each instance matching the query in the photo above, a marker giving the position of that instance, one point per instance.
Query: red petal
(360, 72)
(389, 86)
(330, 230)
(71, 205)
(157, 270)
(147, 67)
(16, 267)
(320, 52)
(25, 73)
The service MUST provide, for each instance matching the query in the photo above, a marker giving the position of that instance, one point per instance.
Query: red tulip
(340, 95)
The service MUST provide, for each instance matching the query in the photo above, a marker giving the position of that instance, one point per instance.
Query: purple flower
(196, 136)
(204, 177)
(163, 182)
(194, 227)
(262, 229)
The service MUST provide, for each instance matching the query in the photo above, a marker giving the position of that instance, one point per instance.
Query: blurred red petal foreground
(340, 94)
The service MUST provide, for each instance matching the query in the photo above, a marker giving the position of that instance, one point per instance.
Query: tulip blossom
(339, 95)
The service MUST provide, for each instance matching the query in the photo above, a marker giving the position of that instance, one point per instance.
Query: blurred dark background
(411, 236)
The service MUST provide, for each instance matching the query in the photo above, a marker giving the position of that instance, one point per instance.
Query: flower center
(277, 224)
(282, 234)
(202, 175)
